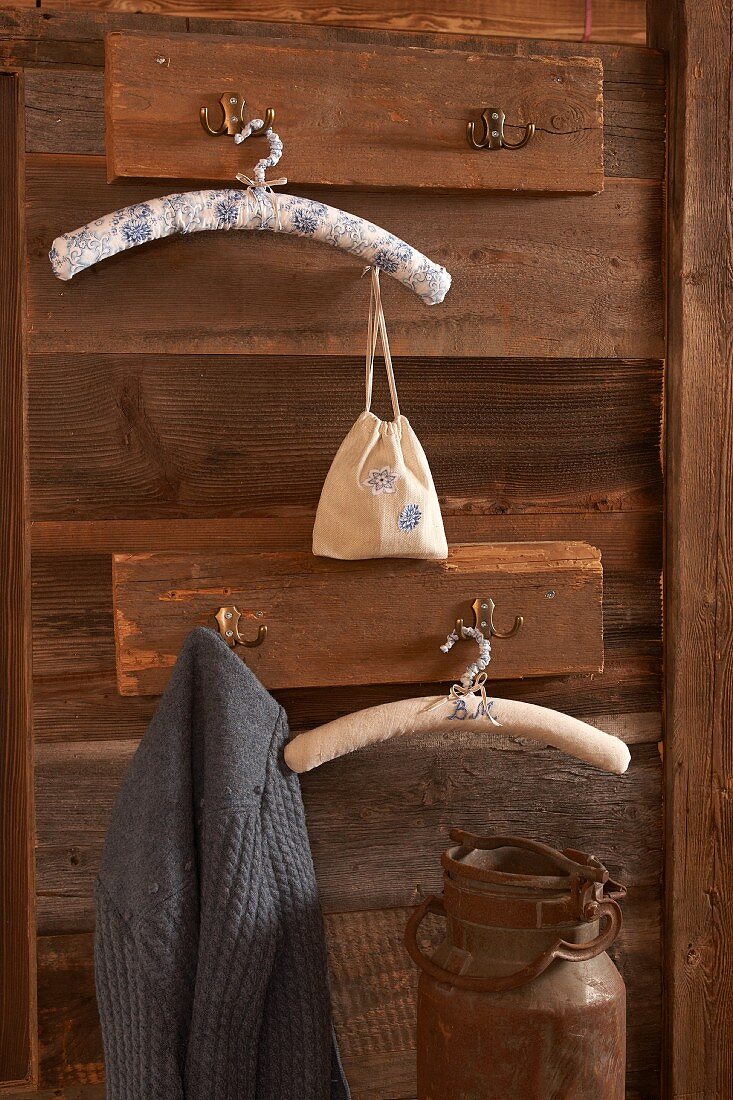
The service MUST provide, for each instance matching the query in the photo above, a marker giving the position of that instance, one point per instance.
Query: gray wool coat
(209, 951)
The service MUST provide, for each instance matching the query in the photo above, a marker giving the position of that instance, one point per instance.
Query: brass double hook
(493, 119)
(483, 612)
(232, 121)
(228, 620)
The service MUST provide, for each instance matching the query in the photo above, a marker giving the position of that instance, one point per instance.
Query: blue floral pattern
(382, 481)
(307, 221)
(253, 208)
(228, 209)
(137, 231)
(409, 518)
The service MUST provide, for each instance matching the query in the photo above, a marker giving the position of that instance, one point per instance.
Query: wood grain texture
(555, 276)
(412, 788)
(67, 867)
(121, 437)
(699, 538)
(17, 935)
(76, 701)
(65, 114)
(621, 21)
(75, 40)
(311, 607)
(380, 117)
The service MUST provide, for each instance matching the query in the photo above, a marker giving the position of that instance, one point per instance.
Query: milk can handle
(561, 949)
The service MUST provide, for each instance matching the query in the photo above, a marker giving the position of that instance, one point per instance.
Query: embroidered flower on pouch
(382, 481)
(410, 516)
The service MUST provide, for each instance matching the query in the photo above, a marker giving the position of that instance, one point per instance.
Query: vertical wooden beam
(699, 541)
(17, 913)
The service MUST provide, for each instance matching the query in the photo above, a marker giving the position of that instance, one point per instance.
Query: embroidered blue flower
(227, 212)
(305, 221)
(136, 231)
(410, 516)
(382, 481)
(387, 260)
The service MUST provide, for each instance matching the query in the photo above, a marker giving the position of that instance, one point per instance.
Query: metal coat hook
(228, 621)
(493, 119)
(232, 123)
(483, 617)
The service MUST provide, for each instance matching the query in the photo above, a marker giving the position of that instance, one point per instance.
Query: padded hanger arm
(424, 715)
(249, 208)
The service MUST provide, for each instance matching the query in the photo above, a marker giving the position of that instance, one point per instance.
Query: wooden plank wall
(537, 395)
(621, 21)
(17, 911)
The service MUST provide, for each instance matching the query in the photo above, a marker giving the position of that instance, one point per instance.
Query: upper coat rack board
(353, 116)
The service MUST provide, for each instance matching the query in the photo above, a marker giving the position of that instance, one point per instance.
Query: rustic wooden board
(336, 623)
(75, 688)
(699, 543)
(18, 1046)
(373, 995)
(612, 20)
(65, 109)
(116, 437)
(412, 788)
(576, 276)
(65, 114)
(378, 117)
(76, 40)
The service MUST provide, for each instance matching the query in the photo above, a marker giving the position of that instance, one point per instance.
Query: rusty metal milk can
(520, 1000)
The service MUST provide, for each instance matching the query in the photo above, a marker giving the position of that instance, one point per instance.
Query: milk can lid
(518, 861)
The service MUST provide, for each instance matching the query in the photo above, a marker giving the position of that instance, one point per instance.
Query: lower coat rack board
(332, 623)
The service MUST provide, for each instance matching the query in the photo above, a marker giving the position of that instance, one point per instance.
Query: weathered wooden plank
(374, 117)
(116, 437)
(412, 788)
(73, 1092)
(65, 114)
(373, 996)
(64, 111)
(612, 20)
(75, 39)
(699, 537)
(74, 657)
(556, 276)
(17, 969)
(629, 541)
(75, 692)
(65, 872)
(309, 606)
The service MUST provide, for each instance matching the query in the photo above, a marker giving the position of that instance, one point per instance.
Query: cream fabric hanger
(425, 715)
(466, 707)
